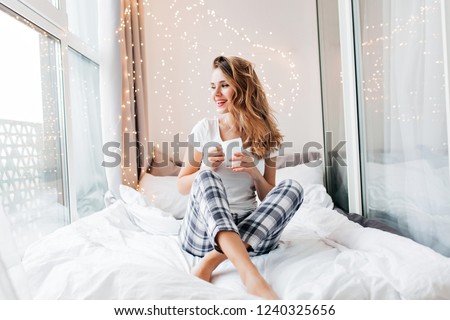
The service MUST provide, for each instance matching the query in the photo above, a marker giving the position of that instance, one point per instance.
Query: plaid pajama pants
(209, 212)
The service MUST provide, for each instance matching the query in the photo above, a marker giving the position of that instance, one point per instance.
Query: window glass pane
(31, 168)
(332, 100)
(406, 162)
(83, 20)
(90, 178)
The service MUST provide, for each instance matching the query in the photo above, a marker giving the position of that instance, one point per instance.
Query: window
(84, 99)
(50, 113)
(33, 193)
(83, 21)
(332, 101)
(405, 118)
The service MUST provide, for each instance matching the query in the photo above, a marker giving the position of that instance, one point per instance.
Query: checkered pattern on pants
(209, 212)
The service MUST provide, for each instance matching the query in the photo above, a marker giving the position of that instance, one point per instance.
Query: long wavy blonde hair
(250, 109)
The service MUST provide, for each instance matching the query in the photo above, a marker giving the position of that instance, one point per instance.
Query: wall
(110, 83)
(280, 37)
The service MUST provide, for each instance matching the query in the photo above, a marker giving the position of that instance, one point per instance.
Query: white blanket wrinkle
(120, 254)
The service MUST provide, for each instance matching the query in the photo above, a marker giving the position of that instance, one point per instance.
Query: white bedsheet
(322, 255)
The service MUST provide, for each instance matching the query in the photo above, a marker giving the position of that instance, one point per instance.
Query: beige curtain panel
(134, 98)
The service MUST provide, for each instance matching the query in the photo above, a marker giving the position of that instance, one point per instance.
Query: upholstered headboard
(164, 165)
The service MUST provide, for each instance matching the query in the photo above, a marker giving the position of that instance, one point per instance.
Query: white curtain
(405, 120)
(90, 180)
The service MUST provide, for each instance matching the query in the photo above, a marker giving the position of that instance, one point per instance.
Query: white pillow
(131, 196)
(154, 220)
(147, 216)
(311, 179)
(162, 192)
(306, 174)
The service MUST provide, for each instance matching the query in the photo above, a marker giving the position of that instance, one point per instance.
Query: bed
(130, 250)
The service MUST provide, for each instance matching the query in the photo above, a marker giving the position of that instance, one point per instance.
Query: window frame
(54, 21)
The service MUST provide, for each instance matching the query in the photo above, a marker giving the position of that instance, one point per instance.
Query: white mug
(229, 148)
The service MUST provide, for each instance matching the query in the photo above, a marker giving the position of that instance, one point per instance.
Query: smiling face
(221, 92)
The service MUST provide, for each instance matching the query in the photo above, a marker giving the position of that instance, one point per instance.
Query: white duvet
(131, 252)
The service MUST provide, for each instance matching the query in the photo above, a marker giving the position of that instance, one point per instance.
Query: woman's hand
(215, 157)
(244, 162)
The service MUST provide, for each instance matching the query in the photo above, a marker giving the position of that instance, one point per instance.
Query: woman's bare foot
(257, 286)
(203, 272)
(208, 264)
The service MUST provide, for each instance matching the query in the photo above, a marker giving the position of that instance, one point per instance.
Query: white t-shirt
(239, 186)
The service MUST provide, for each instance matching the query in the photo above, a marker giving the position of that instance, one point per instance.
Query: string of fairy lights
(170, 31)
(393, 86)
(379, 40)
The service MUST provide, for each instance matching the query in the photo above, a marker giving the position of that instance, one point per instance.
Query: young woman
(223, 220)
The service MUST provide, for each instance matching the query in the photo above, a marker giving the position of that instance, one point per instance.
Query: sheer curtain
(82, 16)
(32, 187)
(90, 180)
(406, 162)
(134, 97)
